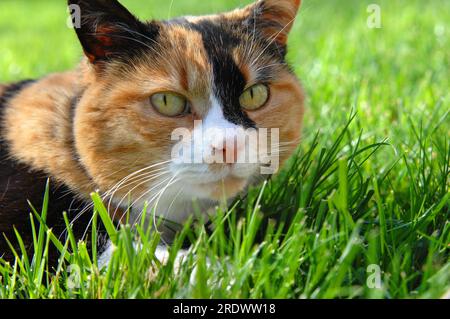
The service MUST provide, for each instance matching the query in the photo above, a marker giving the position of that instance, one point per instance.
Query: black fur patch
(12, 90)
(73, 106)
(229, 82)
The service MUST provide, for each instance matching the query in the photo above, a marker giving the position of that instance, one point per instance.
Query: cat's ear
(275, 18)
(107, 29)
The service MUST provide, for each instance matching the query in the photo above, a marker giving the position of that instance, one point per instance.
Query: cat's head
(191, 77)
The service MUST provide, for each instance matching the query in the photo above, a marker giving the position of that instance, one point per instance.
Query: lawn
(362, 211)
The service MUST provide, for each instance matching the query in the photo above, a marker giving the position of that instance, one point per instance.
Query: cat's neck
(170, 212)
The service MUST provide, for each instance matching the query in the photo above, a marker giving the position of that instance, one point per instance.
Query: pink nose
(229, 151)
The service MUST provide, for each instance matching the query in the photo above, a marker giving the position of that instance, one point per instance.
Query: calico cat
(107, 125)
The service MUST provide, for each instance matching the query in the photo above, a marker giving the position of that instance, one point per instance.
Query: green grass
(369, 185)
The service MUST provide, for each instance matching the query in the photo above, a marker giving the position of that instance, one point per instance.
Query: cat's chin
(223, 189)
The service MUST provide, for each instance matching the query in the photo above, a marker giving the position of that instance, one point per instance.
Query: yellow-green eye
(169, 104)
(255, 97)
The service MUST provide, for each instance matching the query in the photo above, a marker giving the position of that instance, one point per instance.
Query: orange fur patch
(37, 126)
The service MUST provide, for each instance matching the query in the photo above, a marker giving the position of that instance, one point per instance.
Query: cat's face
(196, 75)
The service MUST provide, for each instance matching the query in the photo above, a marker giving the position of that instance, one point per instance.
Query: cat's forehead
(213, 67)
(209, 58)
(184, 60)
(214, 46)
(227, 30)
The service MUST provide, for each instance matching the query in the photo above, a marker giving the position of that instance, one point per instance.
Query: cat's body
(23, 182)
(107, 125)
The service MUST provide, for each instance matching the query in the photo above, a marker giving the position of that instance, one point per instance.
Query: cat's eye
(169, 104)
(255, 97)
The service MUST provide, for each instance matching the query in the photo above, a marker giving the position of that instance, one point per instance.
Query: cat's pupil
(165, 100)
(251, 93)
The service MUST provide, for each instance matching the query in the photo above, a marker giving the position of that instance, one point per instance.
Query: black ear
(106, 29)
